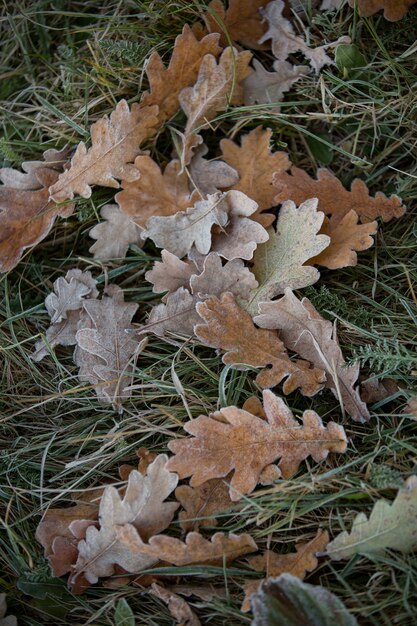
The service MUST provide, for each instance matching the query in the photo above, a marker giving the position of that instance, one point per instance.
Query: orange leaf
(394, 10)
(202, 503)
(241, 20)
(256, 164)
(333, 198)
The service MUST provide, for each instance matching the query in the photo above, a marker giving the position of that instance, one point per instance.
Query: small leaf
(123, 615)
(320, 150)
(348, 57)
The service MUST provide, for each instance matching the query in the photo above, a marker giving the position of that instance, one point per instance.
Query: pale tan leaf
(26, 212)
(165, 84)
(218, 85)
(179, 232)
(64, 305)
(203, 503)
(346, 238)
(209, 176)
(241, 21)
(170, 274)
(411, 408)
(228, 327)
(105, 345)
(263, 87)
(391, 525)
(328, 5)
(177, 315)
(256, 163)
(305, 331)
(279, 263)
(246, 444)
(154, 192)
(115, 142)
(114, 235)
(394, 10)
(296, 563)
(333, 198)
(142, 509)
(216, 279)
(178, 607)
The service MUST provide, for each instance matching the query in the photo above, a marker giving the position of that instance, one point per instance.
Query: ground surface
(62, 66)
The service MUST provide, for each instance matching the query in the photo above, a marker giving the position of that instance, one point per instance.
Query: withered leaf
(394, 10)
(154, 192)
(115, 142)
(279, 263)
(210, 176)
(263, 87)
(142, 510)
(256, 163)
(26, 212)
(333, 198)
(246, 444)
(106, 344)
(346, 238)
(177, 315)
(216, 279)
(166, 83)
(228, 327)
(286, 42)
(178, 607)
(305, 331)
(202, 503)
(296, 563)
(64, 306)
(170, 274)
(179, 232)
(241, 20)
(114, 235)
(217, 86)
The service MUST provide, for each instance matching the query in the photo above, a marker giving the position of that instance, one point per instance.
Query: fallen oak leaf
(228, 327)
(215, 278)
(203, 503)
(155, 193)
(391, 525)
(114, 235)
(333, 198)
(394, 10)
(241, 20)
(26, 212)
(295, 563)
(209, 176)
(115, 142)
(177, 315)
(346, 238)
(165, 84)
(306, 332)
(263, 87)
(246, 444)
(217, 86)
(178, 607)
(280, 262)
(256, 163)
(170, 274)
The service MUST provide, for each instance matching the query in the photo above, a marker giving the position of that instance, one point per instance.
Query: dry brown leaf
(286, 42)
(178, 607)
(256, 163)
(26, 212)
(374, 390)
(210, 176)
(196, 550)
(114, 235)
(64, 308)
(202, 503)
(333, 198)
(280, 262)
(142, 510)
(346, 238)
(217, 86)
(306, 332)
(170, 274)
(394, 10)
(106, 344)
(154, 193)
(178, 315)
(115, 142)
(166, 83)
(411, 408)
(241, 20)
(296, 563)
(228, 327)
(215, 278)
(246, 444)
(263, 87)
